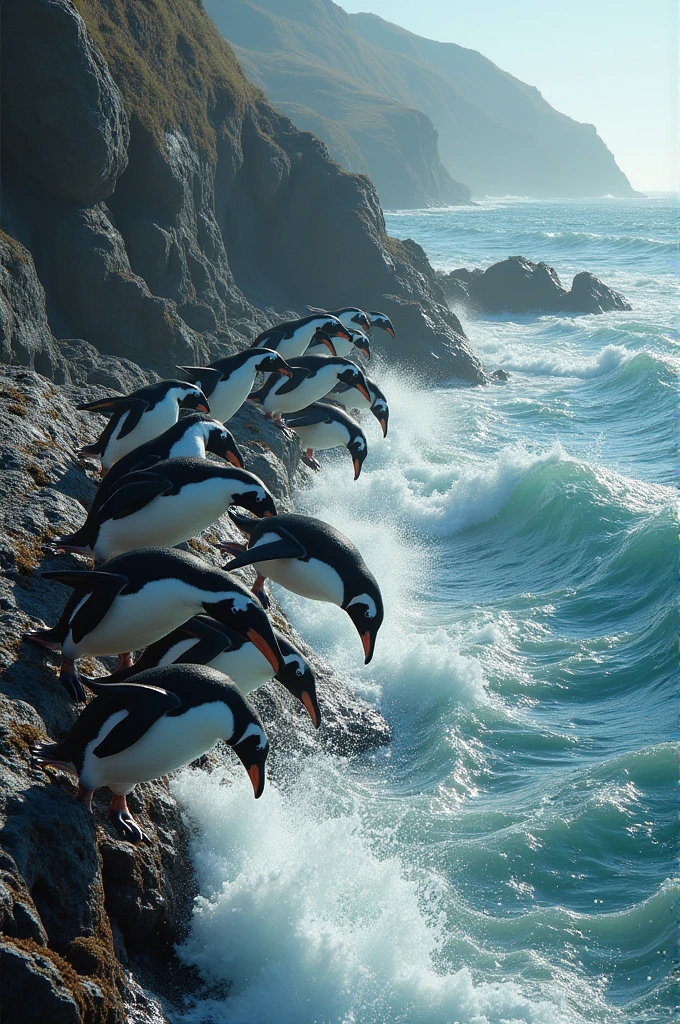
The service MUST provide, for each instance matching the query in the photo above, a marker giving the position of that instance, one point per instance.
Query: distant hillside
(314, 66)
(419, 115)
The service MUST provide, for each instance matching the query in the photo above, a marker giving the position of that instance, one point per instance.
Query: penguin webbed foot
(231, 547)
(310, 461)
(123, 822)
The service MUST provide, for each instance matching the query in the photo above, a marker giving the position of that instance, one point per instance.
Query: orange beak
(234, 460)
(390, 331)
(383, 426)
(357, 469)
(269, 515)
(311, 710)
(286, 373)
(254, 775)
(343, 334)
(264, 649)
(362, 391)
(330, 346)
(366, 642)
(202, 407)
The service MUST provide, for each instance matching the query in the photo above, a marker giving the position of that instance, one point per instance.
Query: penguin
(351, 399)
(204, 641)
(165, 505)
(324, 426)
(350, 316)
(313, 378)
(383, 322)
(227, 382)
(136, 732)
(139, 416)
(314, 560)
(358, 344)
(135, 599)
(194, 436)
(291, 338)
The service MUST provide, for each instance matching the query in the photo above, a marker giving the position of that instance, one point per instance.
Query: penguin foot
(124, 823)
(309, 460)
(231, 547)
(260, 592)
(68, 677)
(84, 796)
(124, 661)
(289, 434)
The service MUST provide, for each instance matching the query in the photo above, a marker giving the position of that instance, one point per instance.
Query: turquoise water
(511, 857)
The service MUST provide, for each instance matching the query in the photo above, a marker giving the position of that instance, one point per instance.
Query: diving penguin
(136, 732)
(313, 378)
(351, 399)
(350, 316)
(322, 426)
(382, 321)
(314, 560)
(139, 416)
(291, 338)
(193, 436)
(204, 641)
(137, 598)
(165, 505)
(358, 344)
(228, 382)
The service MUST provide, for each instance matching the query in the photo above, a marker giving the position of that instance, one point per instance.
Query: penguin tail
(89, 451)
(48, 638)
(43, 754)
(73, 543)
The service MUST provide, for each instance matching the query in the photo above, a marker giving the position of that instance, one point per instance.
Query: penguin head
(358, 449)
(241, 611)
(191, 397)
(381, 412)
(220, 441)
(354, 378)
(322, 339)
(250, 744)
(272, 362)
(298, 678)
(362, 320)
(255, 498)
(366, 611)
(335, 328)
(382, 321)
(361, 343)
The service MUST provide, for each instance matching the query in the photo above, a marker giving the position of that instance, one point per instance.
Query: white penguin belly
(342, 346)
(298, 344)
(351, 399)
(152, 423)
(170, 743)
(246, 667)
(309, 390)
(314, 579)
(322, 435)
(165, 521)
(137, 620)
(229, 395)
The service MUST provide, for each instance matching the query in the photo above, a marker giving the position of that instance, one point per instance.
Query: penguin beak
(330, 346)
(362, 390)
(368, 643)
(264, 648)
(390, 331)
(257, 779)
(312, 710)
(286, 373)
(234, 459)
(383, 427)
(357, 469)
(202, 407)
(343, 334)
(269, 515)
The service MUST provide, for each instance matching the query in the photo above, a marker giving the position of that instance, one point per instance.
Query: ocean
(511, 856)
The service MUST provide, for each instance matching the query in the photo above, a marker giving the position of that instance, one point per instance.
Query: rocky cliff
(160, 209)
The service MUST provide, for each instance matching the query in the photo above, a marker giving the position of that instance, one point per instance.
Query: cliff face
(317, 69)
(164, 208)
(495, 132)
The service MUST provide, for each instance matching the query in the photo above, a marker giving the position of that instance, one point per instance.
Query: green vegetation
(171, 65)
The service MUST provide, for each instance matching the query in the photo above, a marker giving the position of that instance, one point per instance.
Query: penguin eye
(224, 435)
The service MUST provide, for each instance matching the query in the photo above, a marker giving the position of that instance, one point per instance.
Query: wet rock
(64, 123)
(517, 285)
(501, 375)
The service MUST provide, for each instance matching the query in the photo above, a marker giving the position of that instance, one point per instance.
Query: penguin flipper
(136, 409)
(286, 547)
(299, 374)
(145, 705)
(132, 496)
(307, 417)
(208, 377)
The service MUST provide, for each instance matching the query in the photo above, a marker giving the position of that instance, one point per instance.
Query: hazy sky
(612, 63)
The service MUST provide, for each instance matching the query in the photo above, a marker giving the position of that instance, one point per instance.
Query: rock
(64, 123)
(590, 295)
(501, 375)
(517, 285)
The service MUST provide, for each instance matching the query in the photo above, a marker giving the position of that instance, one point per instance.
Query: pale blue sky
(612, 63)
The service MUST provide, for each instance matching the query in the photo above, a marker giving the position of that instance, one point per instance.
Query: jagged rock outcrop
(517, 285)
(201, 215)
(79, 908)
